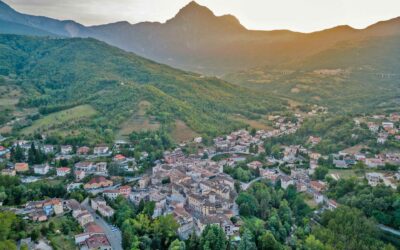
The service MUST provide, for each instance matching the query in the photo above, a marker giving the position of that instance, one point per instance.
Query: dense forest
(59, 74)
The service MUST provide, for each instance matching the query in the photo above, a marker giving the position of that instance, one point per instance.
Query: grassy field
(62, 242)
(343, 173)
(138, 122)
(9, 96)
(257, 124)
(309, 200)
(50, 121)
(182, 133)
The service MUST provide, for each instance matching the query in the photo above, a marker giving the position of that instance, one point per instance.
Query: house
(318, 197)
(100, 205)
(374, 162)
(387, 125)
(39, 216)
(21, 167)
(340, 163)
(111, 194)
(269, 174)
(98, 182)
(255, 165)
(79, 175)
(83, 150)
(332, 204)
(198, 139)
(119, 158)
(8, 171)
(100, 150)
(96, 202)
(301, 187)
(97, 242)
(374, 178)
(66, 149)
(92, 228)
(314, 156)
(41, 169)
(106, 211)
(317, 186)
(313, 140)
(84, 218)
(63, 171)
(101, 167)
(53, 206)
(85, 166)
(125, 191)
(286, 181)
(144, 182)
(48, 149)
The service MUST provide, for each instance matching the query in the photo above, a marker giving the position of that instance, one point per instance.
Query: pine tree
(247, 242)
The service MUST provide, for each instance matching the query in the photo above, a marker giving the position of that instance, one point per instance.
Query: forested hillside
(59, 74)
(358, 76)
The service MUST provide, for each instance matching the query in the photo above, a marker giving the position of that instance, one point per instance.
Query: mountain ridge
(197, 40)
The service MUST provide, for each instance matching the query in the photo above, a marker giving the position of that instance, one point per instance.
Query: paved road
(389, 229)
(244, 186)
(114, 237)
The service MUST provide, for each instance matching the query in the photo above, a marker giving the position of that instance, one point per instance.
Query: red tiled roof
(97, 179)
(96, 241)
(92, 227)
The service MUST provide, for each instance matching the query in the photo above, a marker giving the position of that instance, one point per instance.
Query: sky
(296, 15)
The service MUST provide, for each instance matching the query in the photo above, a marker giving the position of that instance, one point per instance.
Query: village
(197, 189)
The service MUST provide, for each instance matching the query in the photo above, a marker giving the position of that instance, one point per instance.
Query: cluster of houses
(384, 127)
(42, 210)
(93, 236)
(194, 190)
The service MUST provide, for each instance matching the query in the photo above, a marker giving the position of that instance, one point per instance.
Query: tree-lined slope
(57, 74)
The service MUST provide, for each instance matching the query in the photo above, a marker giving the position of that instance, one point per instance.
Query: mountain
(64, 75)
(353, 76)
(43, 25)
(197, 40)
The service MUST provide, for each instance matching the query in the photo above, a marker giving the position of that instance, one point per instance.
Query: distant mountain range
(197, 40)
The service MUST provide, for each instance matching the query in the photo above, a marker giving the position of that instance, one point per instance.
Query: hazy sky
(298, 15)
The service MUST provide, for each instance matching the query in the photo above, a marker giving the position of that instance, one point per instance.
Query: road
(114, 238)
(389, 229)
(244, 186)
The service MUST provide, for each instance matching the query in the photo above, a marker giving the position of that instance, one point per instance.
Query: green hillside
(59, 74)
(357, 76)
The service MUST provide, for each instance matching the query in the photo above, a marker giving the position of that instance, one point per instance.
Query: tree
(348, 228)
(8, 245)
(360, 167)
(177, 245)
(18, 155)
(248, 204)
(193, 243)
(267, 241)
(312, 243)
(35, 235)
(7, 219)
(213, 238)
(52, 227)
(247, 242)
(165, 227)
(320, 173)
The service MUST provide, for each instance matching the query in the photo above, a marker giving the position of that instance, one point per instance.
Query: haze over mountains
(197, 40)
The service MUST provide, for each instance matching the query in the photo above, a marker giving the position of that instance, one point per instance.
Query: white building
(41, 169)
